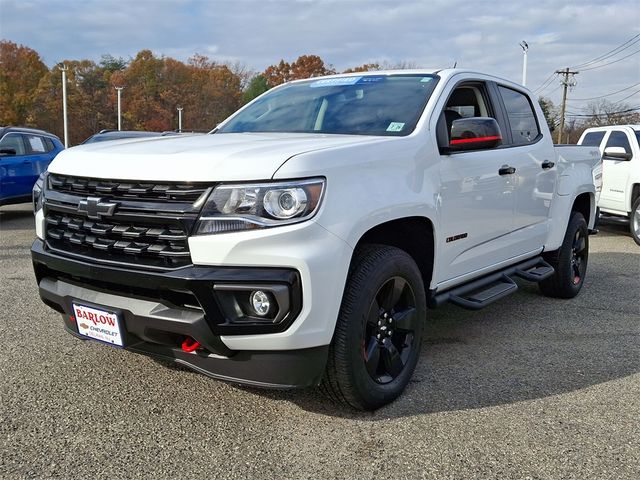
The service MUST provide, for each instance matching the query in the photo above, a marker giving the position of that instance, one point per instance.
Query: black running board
(481, 292)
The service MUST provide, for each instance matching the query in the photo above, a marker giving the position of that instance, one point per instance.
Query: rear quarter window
(49, 145)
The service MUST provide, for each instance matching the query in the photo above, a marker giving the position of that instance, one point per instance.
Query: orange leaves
(20, 72)
(306, 66)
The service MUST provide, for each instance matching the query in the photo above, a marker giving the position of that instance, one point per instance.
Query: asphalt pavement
(528, 388)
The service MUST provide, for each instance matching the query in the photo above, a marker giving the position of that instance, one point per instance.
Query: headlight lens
(232, 208)
(36, 193)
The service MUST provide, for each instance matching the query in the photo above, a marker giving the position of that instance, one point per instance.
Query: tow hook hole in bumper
(190, 345)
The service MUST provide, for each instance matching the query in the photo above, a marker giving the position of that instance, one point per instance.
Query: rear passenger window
(36, 144)
(619, 139)
(593, 139)
(522, 118)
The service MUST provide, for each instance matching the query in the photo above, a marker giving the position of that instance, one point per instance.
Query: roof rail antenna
(455, 64)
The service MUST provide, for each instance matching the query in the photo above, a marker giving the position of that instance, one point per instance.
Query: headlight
(36, 193)
(231, 208)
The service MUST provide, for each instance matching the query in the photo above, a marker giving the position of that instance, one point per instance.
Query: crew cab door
(615, 174)
(476, 198)
(534, 158)
(16, 170)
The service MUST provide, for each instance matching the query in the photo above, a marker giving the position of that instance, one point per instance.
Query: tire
(376, 344)
(634, 220)
(569, 261)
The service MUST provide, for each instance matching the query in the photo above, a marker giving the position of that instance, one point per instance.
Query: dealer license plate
(98, 324)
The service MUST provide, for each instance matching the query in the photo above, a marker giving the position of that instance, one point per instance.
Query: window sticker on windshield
(335, 82)
(395, 127)
(369, 79)
(426, 79)
(36, 144)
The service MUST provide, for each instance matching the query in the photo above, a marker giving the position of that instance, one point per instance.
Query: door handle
(506, 170)
(546, 165)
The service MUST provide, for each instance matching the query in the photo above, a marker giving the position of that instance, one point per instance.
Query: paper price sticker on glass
(98, 324)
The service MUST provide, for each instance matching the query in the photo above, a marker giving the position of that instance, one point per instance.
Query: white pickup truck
(620, 147)
(302, 242)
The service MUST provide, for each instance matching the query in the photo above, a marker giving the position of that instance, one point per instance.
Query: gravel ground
(529, 387)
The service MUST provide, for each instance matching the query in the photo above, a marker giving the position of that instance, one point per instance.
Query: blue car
(24, 154)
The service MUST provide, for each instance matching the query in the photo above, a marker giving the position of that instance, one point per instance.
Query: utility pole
(525, 49)
(119, 89)
(64, 69)
(180, 119)
(566, 83)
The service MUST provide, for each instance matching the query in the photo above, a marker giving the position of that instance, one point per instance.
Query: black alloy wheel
(579, 257)
(569, 261)
(378, 334)
(390, 330)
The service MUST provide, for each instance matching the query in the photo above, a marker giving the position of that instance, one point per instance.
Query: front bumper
(160, 310)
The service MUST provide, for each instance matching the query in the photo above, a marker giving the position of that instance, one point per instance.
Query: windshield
(359, 105)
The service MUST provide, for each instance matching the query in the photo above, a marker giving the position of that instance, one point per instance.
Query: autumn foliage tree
(365, 67)
(20, 71)
(306, 66)
(154, 87)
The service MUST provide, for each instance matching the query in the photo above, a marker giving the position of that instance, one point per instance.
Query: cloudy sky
(482, 35)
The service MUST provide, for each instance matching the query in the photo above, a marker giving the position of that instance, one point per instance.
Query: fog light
(260, 302)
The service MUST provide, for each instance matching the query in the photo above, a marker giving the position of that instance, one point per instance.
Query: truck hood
(217, 157)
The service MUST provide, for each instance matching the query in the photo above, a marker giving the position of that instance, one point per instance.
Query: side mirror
(474, 133)
(8, 151)
(616, 153)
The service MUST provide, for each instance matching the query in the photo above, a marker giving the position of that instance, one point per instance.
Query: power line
(611, 53)
(614, 61)
(628, 96)
(633, 40)
(602, 96)
(621, 112)
(548, 80)
(554, 90)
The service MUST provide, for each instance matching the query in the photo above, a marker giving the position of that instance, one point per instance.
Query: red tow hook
(190, 345)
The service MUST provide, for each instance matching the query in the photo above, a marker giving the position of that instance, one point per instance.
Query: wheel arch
(584, 203)
(635, 193)
(414, 235)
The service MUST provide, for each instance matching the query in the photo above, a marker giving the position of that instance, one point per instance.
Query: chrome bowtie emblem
(95, 208)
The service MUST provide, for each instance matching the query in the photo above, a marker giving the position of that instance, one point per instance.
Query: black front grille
(148, 228)
(127, 189)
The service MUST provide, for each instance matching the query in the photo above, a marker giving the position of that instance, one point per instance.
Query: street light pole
(525, 49)
(64, 69)
(119, 89)
(180, 119)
